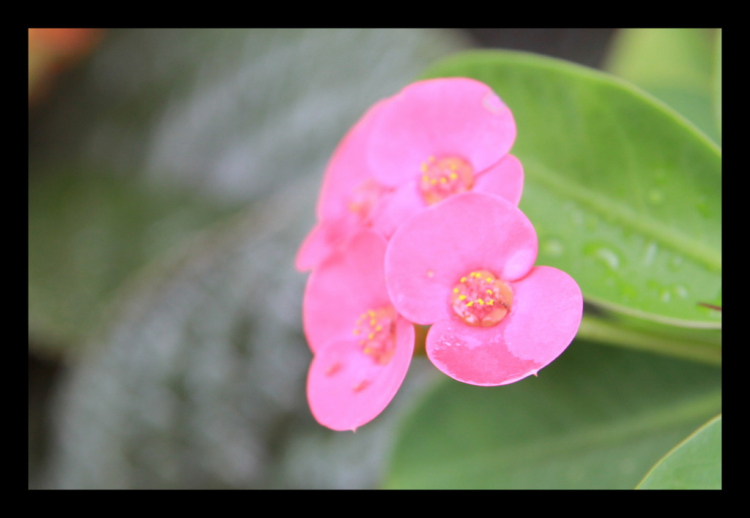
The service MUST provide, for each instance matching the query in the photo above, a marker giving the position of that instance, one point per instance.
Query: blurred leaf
(199, 380)
(695, 463)
(625, 196)
(87, 234)
(163, 132)
(717, 82)
(196, 376)
(596, 418)
(675, 65)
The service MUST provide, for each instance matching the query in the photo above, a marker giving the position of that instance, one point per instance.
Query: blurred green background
(172, 176)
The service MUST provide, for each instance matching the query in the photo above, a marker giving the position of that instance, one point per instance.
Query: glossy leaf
(703, 345)
(717, 81)
(675, 65)
(624, 194)
(695, 463)
(595, 418)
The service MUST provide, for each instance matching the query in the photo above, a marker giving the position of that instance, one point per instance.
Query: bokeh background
(172, 176)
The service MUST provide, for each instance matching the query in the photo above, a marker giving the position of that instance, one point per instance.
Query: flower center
(364, 197)
(445, 177)
(376, 329)
(481, 299)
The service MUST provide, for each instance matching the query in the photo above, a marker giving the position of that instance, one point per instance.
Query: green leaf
(625, 195)
(717, 82)
(675, 65)
(596, 418)
(695, 463)
(87, 234)
(702, 345)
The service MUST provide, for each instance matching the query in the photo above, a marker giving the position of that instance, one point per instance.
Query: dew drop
(649, 253)
(603, 254)
(680, 290)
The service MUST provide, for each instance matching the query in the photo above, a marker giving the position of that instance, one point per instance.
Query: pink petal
(470, 231)
(322, 241)
(438, 117)
(475, 355)
(546, 313)
(341, 288)
(348, 168)
(504, 179)
(396, 208)
(544, 318)
(346, 388)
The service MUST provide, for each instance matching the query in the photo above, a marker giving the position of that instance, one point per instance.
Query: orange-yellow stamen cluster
(481, 299)
(376, 330)
(443, 177)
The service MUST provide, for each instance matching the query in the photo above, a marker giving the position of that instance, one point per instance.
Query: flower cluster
(418, 224)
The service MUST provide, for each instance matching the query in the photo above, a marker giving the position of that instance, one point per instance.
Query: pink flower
(466, 266)
(348, 195)
(441, 137)
(362, 347)
(433, 139)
